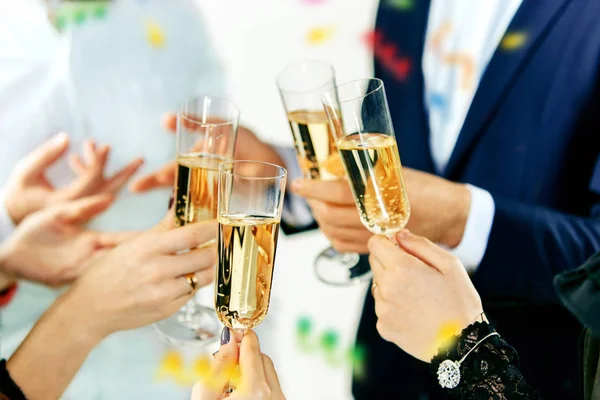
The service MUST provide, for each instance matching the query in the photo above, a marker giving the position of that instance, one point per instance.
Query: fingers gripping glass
(359, 117)
(302, 86)
(206, 136)
(250, 204)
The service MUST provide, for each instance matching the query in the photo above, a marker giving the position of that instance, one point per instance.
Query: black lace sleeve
(490, 371)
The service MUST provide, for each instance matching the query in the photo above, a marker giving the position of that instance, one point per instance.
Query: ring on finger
(192, 280)
(373, 286)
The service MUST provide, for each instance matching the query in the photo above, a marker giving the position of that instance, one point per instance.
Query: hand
(258, 379)
(28, 190)
(52, 247)
(423, 295)
(143, 280)
(439, 207)
(335, 211)
(248, 147)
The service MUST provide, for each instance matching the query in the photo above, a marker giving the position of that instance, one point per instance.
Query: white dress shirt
(462, 36)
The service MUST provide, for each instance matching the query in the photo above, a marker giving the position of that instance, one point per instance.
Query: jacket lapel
(529, 27)
(400, 39)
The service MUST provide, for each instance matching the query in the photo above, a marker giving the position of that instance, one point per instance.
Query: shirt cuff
(7, 226)
(474, 242)
(296, 212)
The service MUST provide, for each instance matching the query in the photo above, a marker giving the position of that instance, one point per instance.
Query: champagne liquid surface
(246, 254)
(373, 166)
(315, 146)
(196, 187)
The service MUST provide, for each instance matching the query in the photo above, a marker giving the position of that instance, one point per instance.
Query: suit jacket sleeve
(529, 245)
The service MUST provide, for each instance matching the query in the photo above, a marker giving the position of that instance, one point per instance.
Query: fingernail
(215, 353)
(59, 138)
(225, 336)
(297, 184)
(404, 234)
(171, 199)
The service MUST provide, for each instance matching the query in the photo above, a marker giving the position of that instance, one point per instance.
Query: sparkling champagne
(246, 254)
(373, 166)
(315, 147)
(196, 187)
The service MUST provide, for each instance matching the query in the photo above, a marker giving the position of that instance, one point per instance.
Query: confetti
(172, 367)
(446, 335)
(100, 11)
(467, 66)
(513, 41)
(388, 55)
(304, 326)
(403, 5)
(439, 35)
(319, 35)
(79, 17)
(356, 357)
(329, 340)
(201, 368)
(154, 34)
(437, 100)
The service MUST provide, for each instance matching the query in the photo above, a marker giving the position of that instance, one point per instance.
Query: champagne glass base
(197, 328)
(341, 269)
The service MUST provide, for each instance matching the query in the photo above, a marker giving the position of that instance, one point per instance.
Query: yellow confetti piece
(171, 366)
(513, 41)
(154, 34)
(202, 368)
(445, 336)
(319, 35)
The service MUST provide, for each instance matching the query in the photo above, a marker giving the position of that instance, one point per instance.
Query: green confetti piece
(329, 340)
(79, 17)
(304, 326)
(401, 4)
(61, 22)
(356, 357)
(100, 11)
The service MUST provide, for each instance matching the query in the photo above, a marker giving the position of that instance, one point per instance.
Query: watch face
(66, 14)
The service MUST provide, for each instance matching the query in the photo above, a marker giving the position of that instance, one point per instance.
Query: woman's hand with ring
(144, 279)
(423, 296)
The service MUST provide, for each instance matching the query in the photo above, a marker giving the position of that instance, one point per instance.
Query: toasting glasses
(206, 136)
(250, 204)
(359, 116)
(302, 85)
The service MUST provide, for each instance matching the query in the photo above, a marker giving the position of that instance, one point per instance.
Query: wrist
(460, 204)
(85, 328)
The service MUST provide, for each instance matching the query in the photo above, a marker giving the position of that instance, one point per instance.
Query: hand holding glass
(359, 115)
(302, 85)
(206, 136)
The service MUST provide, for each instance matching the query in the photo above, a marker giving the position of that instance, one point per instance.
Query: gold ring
(373, 286)
(192, 281)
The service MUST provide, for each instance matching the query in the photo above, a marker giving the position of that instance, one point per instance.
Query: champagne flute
(359, 115)
(250, 205)
(302, 85)
(206, 136)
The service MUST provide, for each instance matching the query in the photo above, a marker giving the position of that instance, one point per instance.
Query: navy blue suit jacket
(531, 138)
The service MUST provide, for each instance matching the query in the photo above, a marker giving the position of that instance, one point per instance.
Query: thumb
(223, 367)
(83, 210)
(45, 155)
